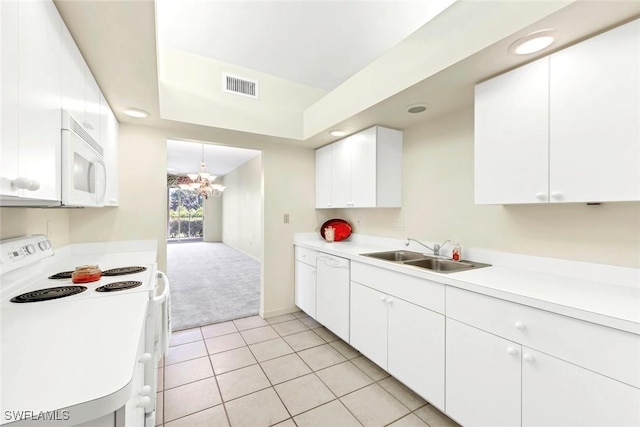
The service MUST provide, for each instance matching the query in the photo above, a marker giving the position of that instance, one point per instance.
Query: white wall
(212, 227)
(15, 222)
(190, 91)
(437, 204)
(289, 187)
(242, 208)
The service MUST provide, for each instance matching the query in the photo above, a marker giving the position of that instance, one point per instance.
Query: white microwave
(84, 174)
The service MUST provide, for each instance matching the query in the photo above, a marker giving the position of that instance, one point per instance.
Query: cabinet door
(332, 294)
(512, 136)
(369, 323)
(91, 105)
(558, 393)
(595, 118)
(9, 98)
(73, 75)
(341, 174)
(39, 116)
(323, 177)
(363, 169)
(416, 349)
(109, 140)
(305, 288)
(483, 377)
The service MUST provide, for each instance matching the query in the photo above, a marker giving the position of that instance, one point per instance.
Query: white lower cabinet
(369, 323)
(305, 280)
(579, 374)
(402, 338)
(416, 349)
(305, 288)
(558, 393)
(483, 377)
(332, 294)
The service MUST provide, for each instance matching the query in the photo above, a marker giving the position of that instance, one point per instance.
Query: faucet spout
(435, 249)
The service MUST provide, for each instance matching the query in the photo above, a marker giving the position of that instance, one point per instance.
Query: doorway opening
(214, 232)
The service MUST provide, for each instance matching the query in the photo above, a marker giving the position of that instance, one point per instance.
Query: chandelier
(202, 182)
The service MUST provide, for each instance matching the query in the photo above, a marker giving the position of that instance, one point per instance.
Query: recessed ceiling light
(134, 112)
(338, 132)
(416, 108)
(532, 43)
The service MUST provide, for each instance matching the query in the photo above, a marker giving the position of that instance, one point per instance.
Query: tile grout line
(295, 352)
(269, 380)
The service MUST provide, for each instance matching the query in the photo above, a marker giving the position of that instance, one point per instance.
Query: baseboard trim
(278, 312)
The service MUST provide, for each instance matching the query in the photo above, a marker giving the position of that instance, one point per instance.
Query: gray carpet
(211, 283)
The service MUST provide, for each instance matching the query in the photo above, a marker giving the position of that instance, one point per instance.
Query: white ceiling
(122, 57)
(316, 43)
(185, 157)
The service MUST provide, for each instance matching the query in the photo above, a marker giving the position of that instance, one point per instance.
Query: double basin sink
(417, 259)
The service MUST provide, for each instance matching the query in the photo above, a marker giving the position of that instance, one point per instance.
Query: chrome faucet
(436, 247)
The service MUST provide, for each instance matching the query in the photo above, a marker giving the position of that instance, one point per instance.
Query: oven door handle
(162, 304)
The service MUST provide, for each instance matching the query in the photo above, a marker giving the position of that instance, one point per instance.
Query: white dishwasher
(332, 294)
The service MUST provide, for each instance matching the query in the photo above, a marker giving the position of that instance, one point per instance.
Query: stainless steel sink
(445, 265)
(397, 256)
(416, 259)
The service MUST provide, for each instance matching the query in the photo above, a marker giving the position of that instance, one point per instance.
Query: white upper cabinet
(91, 106)
(41, 73)
(341, 173)
(595, 119)
(39, 117)
(80, 92)
(9, 99)
(565, 128)
(73, 75)
(362, 170)
(511, 136)
(109, 141)
(323, 177)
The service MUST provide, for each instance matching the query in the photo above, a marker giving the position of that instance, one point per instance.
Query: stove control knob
(31, 249)
(44, 245)
(145, 358)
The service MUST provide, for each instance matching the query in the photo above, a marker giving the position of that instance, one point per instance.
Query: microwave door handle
(103, 190)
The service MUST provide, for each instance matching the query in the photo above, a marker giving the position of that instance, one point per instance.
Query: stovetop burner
(119, 286)
(121, 271)
(49, 294)
(62, 275)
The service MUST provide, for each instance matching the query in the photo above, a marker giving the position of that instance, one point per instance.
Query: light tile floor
(285, 371)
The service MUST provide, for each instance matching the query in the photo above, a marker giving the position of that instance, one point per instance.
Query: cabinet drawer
(608, 351)
(422, 292)
(308, 256)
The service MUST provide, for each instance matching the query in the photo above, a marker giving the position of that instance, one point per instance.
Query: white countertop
(57, 355)
(73, 354)
(616, 305)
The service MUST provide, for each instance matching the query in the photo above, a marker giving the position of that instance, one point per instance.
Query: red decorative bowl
(342, 229)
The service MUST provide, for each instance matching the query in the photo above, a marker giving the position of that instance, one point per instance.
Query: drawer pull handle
(512, 351)
(520, 325)
(528, 357)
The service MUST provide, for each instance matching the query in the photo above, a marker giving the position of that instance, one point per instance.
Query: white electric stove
(105, 337)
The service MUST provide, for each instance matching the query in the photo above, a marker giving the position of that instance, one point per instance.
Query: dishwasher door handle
(332, 262)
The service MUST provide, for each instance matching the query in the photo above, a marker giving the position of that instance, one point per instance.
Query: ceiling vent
(240, 86)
